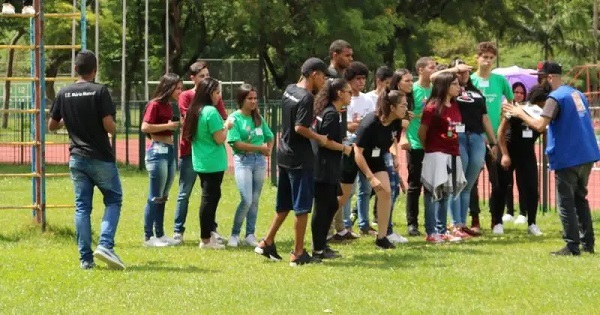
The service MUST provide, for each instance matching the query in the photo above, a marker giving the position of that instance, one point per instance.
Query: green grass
(39, 273)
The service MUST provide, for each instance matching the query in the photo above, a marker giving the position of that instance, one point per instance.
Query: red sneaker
(458, 232)
(450, 238)
(475, 226)
(434, 238)
(470, 232)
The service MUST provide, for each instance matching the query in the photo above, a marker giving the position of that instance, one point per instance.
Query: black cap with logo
(548, 67)
(315, 64)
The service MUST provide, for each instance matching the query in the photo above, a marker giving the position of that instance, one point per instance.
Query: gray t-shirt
(551, 108)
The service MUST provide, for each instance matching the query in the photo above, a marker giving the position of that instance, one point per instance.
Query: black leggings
(415, 165)
(526, 172)
(211, 194)
(326, 204)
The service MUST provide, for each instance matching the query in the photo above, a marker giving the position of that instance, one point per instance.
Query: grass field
(514, 273)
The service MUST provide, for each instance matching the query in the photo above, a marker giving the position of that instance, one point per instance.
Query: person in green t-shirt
(493, 87)
(421, 91)
(252, 141)
(204, 127)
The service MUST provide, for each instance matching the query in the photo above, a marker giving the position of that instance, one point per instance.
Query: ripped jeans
(160, 163)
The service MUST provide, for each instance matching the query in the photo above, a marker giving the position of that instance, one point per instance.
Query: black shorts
(350, 169)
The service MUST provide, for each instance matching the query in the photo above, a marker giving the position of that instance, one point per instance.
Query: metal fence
(129, 145)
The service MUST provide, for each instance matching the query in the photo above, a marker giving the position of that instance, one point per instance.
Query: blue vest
(571, 138)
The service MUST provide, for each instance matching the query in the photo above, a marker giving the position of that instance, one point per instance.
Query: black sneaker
(327, 253)
(269, 251)
(337, 238)
(413, 231)
(588, 249)
(87, 265)
(384, 243)
(303, 259)
(565, 251)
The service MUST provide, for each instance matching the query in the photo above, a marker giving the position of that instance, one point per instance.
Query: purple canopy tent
(515, 74)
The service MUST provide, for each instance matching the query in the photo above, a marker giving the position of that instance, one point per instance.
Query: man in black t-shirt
(295, 161)
(86, 109)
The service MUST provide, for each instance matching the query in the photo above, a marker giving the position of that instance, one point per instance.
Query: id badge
(460, 128)
(376, 152)
(527, 133)
(258, 131)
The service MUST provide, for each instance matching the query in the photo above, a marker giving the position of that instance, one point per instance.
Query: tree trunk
(52, 70)
(9, 73)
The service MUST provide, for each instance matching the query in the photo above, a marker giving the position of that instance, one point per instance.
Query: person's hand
(396, 163)
(505, 161)
(347, 150)
(494, 152)
(410, 114)
(375, 183)
(513, 110)
(404, 144)
(463, 68)
(322, 140)
(173, 125)
(265, 150)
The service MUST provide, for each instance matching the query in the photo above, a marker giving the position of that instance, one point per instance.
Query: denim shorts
(295, 190)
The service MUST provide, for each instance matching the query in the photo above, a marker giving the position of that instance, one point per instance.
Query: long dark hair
(167, 85)
(441, 86)
(386, 100)
(328, 94)
(204, 90)
(514, 86)
(396, 78)
(469, 86)
(242, 93)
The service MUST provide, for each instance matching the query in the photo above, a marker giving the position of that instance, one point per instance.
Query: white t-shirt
(373, 96)
(359, 106)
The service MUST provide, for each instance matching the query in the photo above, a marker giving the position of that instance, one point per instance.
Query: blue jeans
(436, 213)
(394, 185)
(187, 179)
(160, 163)
(249, 176)
(87, 173)
(472, 156)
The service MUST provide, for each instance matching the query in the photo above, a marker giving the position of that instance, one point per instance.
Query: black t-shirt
(372, 135)
(472, 108)
(343, 114)
(328, 162)
(293, 150)
(516, 143)
(82, 106)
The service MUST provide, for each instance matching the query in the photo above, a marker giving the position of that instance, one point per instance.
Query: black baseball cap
(548, 67)
(315, 64)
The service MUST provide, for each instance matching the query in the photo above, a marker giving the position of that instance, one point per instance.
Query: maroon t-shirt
(442, 135)
(185, 99)
(159, 113)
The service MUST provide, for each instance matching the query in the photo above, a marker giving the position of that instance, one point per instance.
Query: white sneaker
(394, 238)
(534, 230)
(251, 240)
(178, 237)
(109, 256)
(234, 241)
(507, 218)
(521, 219)
(28, 10)
(212, 244)
(155, 242)
(451, 238)
(217, 237)
(498, 229)
(168, 240)
(8, 8)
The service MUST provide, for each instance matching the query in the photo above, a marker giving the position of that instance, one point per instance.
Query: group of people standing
(335, 137)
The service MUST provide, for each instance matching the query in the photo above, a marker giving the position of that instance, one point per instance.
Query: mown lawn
(514, 273)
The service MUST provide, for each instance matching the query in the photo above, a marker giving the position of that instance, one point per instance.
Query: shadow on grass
(162, 266)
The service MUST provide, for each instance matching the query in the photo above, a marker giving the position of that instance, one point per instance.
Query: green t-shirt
(420, 96)
(493, 89)
(245, 130)
(207, 155)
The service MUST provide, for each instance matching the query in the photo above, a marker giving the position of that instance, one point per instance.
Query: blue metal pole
(42, 113)
(84, 24)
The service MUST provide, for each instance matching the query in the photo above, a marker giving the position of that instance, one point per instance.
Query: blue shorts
(295, 190)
